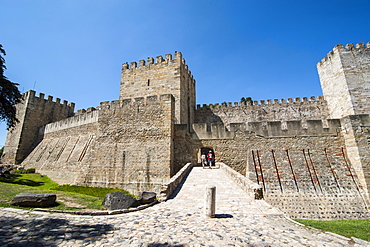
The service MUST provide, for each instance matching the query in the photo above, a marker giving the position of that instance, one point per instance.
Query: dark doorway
(205, 150)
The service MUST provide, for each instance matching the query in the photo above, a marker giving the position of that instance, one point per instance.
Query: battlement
(154, 64)
(268, 129)
(83, 111)
(77, 120)
(344, 77)
(169, 75)
(347, 48)
(143, 101)
(91, 114)
(41, 98)
(283, 102)
(158, 60)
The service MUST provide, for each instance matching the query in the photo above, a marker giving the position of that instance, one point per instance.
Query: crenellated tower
(33, 113)
(162, 76)
(345, 80)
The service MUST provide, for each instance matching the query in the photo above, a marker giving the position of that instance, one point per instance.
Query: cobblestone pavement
(239, 221)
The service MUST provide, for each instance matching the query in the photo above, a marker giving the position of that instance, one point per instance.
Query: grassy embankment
(79, 198)
(348, 228)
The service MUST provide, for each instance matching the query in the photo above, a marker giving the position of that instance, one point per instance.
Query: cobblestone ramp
(239, 221)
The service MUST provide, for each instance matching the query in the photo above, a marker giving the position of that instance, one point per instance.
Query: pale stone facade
(33, 113)
(162, 77)
(345, 80)
(311, 155)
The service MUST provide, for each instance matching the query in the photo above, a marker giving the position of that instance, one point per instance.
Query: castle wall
(314, 182)
(345, 80)
(129, 146)
(355, 130)
(33, 112)
(77, 120)
(277, 110)
(165, 76)
(64, 155)
(12, 141)
(331, 191)
(268, 129)
(185, 147)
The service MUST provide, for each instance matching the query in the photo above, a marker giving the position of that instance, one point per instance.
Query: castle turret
(33, 113)
(162, 77)
(345, 80)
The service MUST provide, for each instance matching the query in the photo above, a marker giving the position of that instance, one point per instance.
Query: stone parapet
(347, 48)
(313, 108)
(345, 80)
(168, 188)
(253, 189)
(269, 102)
(71, 122)
(267, 129)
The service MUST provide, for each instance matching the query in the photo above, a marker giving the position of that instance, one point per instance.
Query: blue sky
(264, 49)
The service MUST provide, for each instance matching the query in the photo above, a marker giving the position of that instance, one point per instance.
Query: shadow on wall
(206, 115)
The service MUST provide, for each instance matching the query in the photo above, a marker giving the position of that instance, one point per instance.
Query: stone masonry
(310, 155)
(123, 144)
(33, 113)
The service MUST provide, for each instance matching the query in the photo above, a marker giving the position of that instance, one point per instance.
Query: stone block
(146, 197)
(119, 200)
(33, 200)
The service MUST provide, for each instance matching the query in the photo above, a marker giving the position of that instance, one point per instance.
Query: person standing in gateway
(203, 160)
(210, 158)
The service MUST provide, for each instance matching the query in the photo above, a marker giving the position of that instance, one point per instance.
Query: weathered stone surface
(118, 200)
(43, 111)
(33, 200)
(146, 197)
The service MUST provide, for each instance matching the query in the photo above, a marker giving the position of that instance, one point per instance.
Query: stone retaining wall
(168, 189)
(253, 189)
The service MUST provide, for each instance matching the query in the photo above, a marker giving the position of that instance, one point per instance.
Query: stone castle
(311, 155)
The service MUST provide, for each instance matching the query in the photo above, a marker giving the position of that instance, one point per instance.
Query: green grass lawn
(69, 197)
(348, 228)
